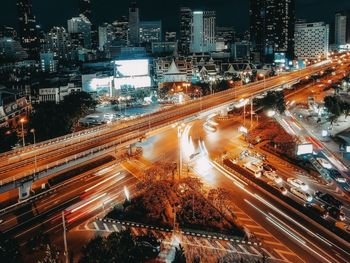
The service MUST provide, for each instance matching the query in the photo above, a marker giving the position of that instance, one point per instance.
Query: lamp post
(22, 120)
(179, 136)
(35, 163)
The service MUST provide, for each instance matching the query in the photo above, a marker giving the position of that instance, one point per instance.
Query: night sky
(229, 12)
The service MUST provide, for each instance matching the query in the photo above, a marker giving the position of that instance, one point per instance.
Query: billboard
(131, 68)
(306, 148)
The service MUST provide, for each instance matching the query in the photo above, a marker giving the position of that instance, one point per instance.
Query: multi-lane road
(33, 159)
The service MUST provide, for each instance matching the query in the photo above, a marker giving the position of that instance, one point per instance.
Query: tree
(179, 255)
(333, 105)
(52, 120)
(274, 100)
(8, 138)
(9, 250)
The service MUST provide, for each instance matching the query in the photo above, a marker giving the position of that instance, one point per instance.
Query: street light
(35, 162)
(22, 121)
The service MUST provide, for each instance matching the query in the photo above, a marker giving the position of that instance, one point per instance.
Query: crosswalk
(197, 244)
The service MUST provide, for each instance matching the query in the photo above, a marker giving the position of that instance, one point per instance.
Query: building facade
(47, 62)
(58, 41)
(342, 28)
(272, 24)
(81, 27)
(311, 40)
(85, 9)
(28, 31)
(134, 25)
(185, 30)
(150, 31)
(203, 37)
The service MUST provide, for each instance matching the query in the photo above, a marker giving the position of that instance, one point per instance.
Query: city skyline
(50, 13)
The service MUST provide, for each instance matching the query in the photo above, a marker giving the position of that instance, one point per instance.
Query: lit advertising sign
(307, 148)
(131, 68)
(136, 82)
(347, 149)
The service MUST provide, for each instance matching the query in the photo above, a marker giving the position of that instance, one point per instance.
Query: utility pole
(65, 238)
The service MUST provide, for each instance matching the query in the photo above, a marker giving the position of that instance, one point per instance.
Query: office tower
(342, 28)
(85, 9)
(226, 33)
(27, 28)
(80, 27)
(105, 36)
(272, 24)
(311, 40)
(170, 36)
(47, 62)
(57, 40)
(134, 24)
(6, 31)
(185, 30)
(120, 29)
(203, 37)
(150, 31)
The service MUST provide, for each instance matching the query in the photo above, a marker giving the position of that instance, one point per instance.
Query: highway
(21, 163)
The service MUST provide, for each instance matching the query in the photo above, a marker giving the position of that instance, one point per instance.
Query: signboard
(306, 148)
(347, 149)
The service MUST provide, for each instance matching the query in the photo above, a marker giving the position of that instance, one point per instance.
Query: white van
(254, 168)
(299, 193)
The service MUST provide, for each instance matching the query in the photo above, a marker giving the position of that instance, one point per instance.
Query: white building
(105, 36)
(81, 25)
(57, 94)
(311, 40)
(340, 29)
(203, 37)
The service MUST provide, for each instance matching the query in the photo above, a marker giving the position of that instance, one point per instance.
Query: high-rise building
(150, 31)
(272, 24)
(57, 40)
(311, 40)
(342, 28)
(81, 28)
(203, 37)
(27, 28)
(170, 36)
(185, 30)
(85, 9)
(105, 36)
(120, 28)
(47, 62)
(6, 31)
(226, 33)
(134, 24)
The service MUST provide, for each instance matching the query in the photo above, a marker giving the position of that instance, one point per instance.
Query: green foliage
(179, 255)
(9, 250)
(274, 100)
(8, 138)
(119, 247)
(52, 120)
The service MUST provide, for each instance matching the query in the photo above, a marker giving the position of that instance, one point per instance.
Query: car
(298, 183)
(268, 168)
(336, 213)
(273, 176)
(253, 168)
(282, 189)
(303, 195)
(328, 199)
(324, 163)
(321, 211)
(337, 176)
(343, 226)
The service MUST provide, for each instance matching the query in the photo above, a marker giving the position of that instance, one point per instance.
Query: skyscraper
(203, 37)
(134, 24)
(185, 30)
(120, 28)
(27, 28)
(80, 27)
(342, 27)
(311, 40)
(150, 31)
(57, 40)
(85, 9)
(272, 24)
